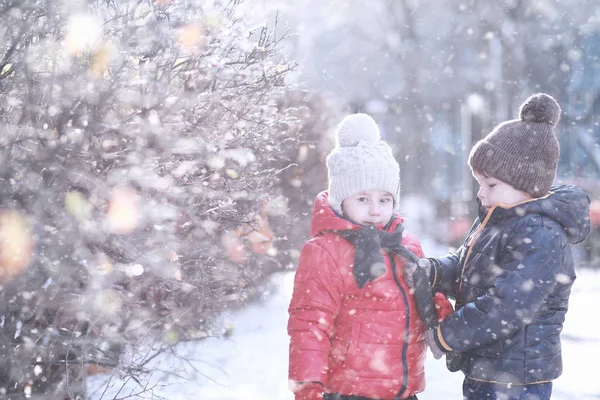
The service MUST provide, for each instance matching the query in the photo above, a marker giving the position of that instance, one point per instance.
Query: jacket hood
(324, 218)
(568, 205)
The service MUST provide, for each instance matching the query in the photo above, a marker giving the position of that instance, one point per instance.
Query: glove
(443, 307)
(410, 268)
(309, 391)
(433, 346)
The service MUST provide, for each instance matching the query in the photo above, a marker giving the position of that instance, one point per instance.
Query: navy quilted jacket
(511, 280)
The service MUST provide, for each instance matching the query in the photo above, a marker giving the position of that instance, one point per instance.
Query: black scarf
(368, 260)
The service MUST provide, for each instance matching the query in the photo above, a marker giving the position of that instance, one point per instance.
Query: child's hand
(309, 391)
(410, 268)
(443, 307)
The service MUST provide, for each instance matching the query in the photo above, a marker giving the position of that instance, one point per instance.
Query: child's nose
(374, 209)
(480, 193)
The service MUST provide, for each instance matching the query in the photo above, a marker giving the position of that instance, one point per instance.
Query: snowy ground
(252, 363)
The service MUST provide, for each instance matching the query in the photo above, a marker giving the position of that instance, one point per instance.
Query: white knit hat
(360, 161)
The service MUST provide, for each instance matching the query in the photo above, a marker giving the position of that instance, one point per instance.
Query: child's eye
(363, 199)
(386, 200)
(491, 185)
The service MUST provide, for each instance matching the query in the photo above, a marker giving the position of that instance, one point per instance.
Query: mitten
(309, 391)
(433, 346)
(443, 307)
(410, 268)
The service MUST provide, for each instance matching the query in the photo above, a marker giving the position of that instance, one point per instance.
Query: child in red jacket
(353, 323)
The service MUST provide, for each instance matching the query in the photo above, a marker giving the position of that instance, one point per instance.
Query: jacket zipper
(483, 224)
(406, 330)
(470, 246)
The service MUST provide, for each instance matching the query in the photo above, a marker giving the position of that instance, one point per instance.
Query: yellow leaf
(233, 174)
(77, 205)
(302, 153)
(171, 337)
(6, 68)
(108, 301)
(16, 244)
(124, 210)
(191, 36)
(104, 264)
(100, 59)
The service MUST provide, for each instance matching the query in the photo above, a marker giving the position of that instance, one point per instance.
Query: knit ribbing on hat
(522, 152)
(360, 161)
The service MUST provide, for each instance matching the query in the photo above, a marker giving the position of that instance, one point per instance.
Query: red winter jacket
(365, 342)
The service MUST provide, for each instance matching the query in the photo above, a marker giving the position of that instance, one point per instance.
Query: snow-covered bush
(142, 146)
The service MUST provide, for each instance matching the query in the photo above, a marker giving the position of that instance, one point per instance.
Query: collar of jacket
(500, 210)
(567, 205)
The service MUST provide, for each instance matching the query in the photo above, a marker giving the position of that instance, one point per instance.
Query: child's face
(493, 191)
(369, 207)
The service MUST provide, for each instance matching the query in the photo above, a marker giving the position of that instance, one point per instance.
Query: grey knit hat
(360, 161)
(522, 152)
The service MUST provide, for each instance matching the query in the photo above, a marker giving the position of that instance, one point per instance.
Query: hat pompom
(540, 108)
(357, 127)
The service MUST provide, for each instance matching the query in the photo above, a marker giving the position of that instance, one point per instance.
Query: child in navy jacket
(513, 275)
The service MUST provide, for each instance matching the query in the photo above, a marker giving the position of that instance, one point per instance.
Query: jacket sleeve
(411, 242)
(527, 273)
(445, 276)
(446, 273)
(314, 306)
